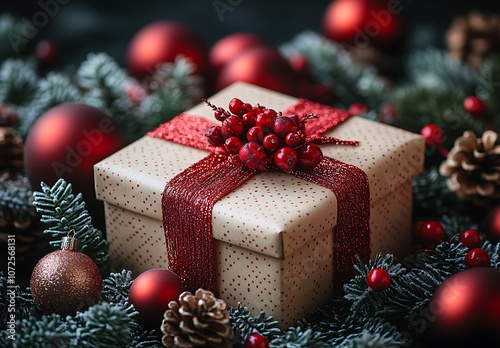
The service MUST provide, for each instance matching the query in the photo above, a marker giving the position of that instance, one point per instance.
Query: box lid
(272, 213)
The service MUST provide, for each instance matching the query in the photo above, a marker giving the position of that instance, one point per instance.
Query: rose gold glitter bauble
(65, 281)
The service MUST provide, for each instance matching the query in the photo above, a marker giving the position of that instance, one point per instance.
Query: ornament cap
(69, 242)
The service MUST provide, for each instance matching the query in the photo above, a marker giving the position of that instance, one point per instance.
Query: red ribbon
(188, 198)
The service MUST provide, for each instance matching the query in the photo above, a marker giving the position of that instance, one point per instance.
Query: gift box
(274, 237)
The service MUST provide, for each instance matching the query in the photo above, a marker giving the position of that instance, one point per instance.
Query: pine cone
(471, 38)
(473, 167)
(199, 320)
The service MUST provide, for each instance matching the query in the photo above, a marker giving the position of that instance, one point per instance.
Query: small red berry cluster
(432, 233)
(261, 138)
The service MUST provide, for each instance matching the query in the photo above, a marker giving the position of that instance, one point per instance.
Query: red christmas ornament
(378, 279)
(256, 340)
(470, 238)
(477, 257)
(465, 309)
(492, 225)
(65, 142)
(151, 292)
(163, 41)
(228, 47)
(475, 107)
(363, 22)
(357, 109)
(432, 233)
(47, 54)
(261, 66)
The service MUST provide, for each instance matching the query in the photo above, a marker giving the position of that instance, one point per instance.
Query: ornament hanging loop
(69, 242)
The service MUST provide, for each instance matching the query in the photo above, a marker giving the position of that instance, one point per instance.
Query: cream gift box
(274, 235)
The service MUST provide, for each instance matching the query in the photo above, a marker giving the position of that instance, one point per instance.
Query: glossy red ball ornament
(431, 233)
(65, 142)
(363, 22)
(475, 107)
(163, 41)
(470, 238)
(256, 340)
(465, 309)
(230, 46)
(491, 225)
(378, 279)
(261, 66)
(477, 257)
(151, 292)
(433, 135)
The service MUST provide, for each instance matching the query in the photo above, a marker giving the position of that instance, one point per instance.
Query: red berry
(475, 107)
(220, 114)
(470, 238)
(214, 136)
(249, 118)
(233, 125)
(256, 340)
(357, 109)
(266, 119)
(233, 144)
(432, 233)
(378, 279)
(294, 139)
(247, 107)
(271, 142)
(286, 158)
(236, 106)
(253, 155)
(309, 155)
(283, 125)
(256, 134)
(433, 135)
(299, 63)
(477, 257)
(220, 150)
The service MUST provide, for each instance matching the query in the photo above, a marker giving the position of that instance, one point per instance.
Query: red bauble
(261, 66)
(47, 54)
(465, 309)
(151, 292)
(228, 47)
(163, 41)
(256, 340)
(378, 279)
(492, 225)
(431, 233)
(363, 22)
(65, 142)
(475, 107)
(433, 135)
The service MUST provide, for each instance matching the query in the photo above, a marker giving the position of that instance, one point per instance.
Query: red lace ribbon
(188, 198)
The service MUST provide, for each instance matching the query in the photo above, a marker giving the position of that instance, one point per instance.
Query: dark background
(80, 27)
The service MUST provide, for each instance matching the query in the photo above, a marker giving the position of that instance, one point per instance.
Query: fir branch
(331, 64)
(18, 81)
(24, 304)
(16, 201)
(63, 212)
(243, 324)
(494, 251)
(489, 88)
(116, 287)
(431, 196)
(375, 334)
(296, 337)
(437, 70)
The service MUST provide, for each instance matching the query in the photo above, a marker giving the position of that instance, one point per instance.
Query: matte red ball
(465, 309)
(163, 41)
(65, 142)
(256, 340)
(363, 22)
(151, 292)
(378, 279)
(228, 47)
(261, 66)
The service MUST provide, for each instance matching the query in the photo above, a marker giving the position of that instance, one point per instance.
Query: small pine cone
(472, 37)
(11, 151)
(199, 320)
(473, 167)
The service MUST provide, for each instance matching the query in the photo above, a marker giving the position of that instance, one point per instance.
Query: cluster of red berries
(431, 233)
(260, 137)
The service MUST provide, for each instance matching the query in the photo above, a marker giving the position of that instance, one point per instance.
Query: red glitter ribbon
(188, 199)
